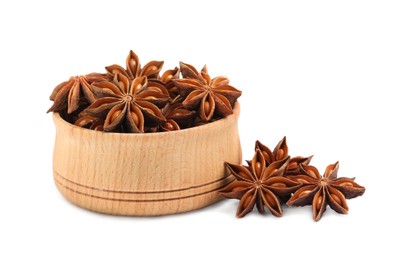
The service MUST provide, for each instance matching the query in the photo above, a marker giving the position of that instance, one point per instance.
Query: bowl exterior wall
(145, 174)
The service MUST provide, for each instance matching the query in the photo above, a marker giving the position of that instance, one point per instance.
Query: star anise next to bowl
(260, 185)
(280, 152)
(320, 191)
(272, 178)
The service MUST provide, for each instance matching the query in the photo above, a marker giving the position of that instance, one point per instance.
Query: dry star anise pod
(259, 185)
(158, 87)
(128, 104)
(177, 117)
(68, 94)
(133, 68)
(167, 80)
(90, 122)
(322, 191)
(281, 151)
(208, 96)
(189, 71)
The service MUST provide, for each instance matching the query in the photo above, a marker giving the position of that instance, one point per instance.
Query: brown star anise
(167, 80)
(259, 185)
(177, 117)
(189, 71)
(90, 122)
(133, 68)
(208, 96)
(281, 151)
(68, 94)
(127, 104)
(322, 191)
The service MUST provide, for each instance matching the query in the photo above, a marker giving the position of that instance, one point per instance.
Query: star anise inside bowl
(138, 99)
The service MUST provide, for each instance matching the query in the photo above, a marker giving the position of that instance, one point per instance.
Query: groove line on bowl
(142, 192)
(141, 200)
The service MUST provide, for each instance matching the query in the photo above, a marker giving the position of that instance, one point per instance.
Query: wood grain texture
(145, 174)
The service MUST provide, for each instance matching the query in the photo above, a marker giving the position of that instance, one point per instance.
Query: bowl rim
(236, 112)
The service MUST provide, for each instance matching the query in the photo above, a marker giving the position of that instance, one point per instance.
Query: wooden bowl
(145, 174)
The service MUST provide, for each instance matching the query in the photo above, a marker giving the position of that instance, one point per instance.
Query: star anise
(68, 94)
(177, 117)
(322, 191)
(189, 71)
(90, 122)
(281, 151)
(158, 87)
(208, 96)
(133, 68)
(167, 80)
(259, 185)
(128, 104)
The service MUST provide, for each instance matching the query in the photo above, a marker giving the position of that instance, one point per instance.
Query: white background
(323, 73)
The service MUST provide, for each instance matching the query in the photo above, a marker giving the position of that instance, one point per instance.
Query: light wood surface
(145, 174)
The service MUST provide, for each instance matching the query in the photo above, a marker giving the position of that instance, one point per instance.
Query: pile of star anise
(273, 178)
(138, 99)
